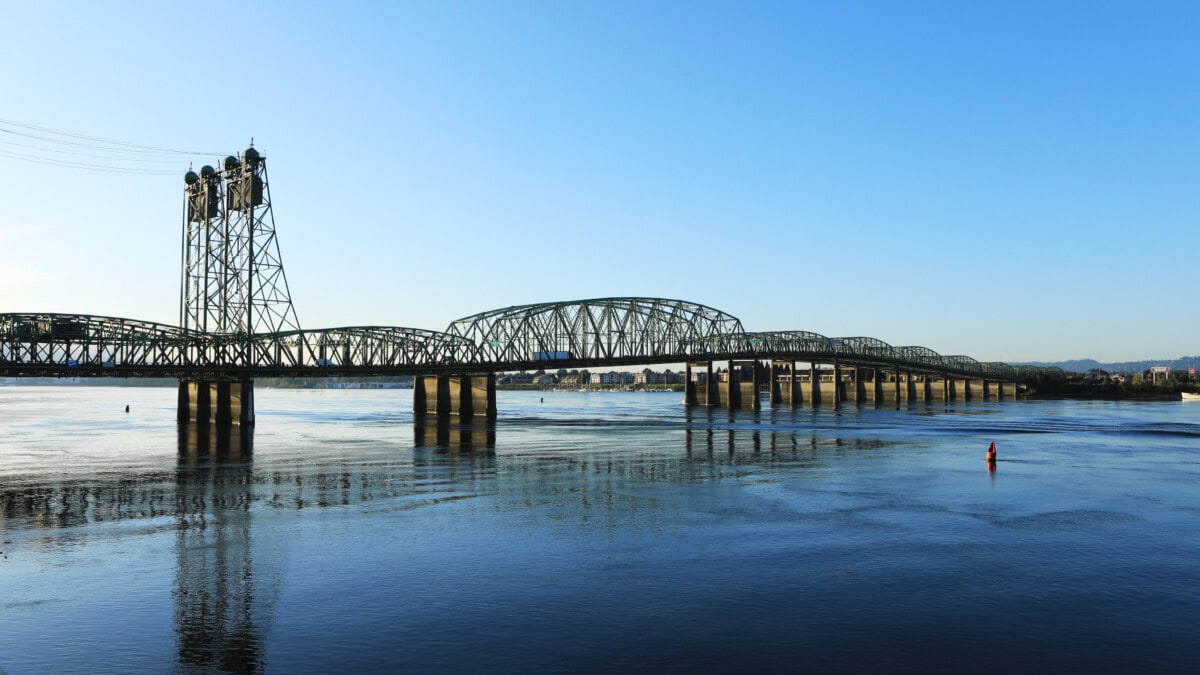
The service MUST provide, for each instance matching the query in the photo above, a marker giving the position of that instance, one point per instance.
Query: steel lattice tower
(233, 281)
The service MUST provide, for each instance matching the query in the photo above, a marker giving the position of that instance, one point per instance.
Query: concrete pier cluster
(223, 402)
(462, 396)
(466, 398)
(815, 386)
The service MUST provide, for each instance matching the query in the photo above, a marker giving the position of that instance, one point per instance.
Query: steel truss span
(601, 332)
(77, 345)
(58, 345)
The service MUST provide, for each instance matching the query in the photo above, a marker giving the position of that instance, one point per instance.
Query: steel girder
(601, 331)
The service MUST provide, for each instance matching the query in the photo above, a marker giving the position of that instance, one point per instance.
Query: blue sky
(1012, 181)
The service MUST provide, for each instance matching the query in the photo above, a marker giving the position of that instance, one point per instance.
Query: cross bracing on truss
(599, 332)
(602, 330)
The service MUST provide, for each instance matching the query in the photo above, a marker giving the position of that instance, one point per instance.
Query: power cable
(83, 165)
(149, 160)
(47, 148)
(137, 146)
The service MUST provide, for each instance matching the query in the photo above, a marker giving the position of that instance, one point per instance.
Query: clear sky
(1012, 181)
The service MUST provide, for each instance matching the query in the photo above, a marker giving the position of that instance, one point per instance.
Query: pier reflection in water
(451, 434)
(765, 437)
(219, 612)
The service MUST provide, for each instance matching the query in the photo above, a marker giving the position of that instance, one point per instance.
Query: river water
(599, 532)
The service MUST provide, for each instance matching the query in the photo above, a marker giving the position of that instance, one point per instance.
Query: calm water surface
(600, 532)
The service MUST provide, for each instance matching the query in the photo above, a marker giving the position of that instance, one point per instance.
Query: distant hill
(1084, 365)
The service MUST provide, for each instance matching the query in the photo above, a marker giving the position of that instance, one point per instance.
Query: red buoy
(991, 453)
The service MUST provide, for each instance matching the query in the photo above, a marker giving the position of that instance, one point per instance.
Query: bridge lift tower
(233, 285)
(233, 280)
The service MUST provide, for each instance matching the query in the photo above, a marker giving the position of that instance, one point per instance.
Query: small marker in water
(991, 453)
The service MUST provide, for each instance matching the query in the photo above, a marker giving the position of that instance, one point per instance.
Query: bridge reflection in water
(222, 608)
(227, 577)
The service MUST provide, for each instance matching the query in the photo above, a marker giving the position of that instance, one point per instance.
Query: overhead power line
(107, 168)
(150, 160)
(106, 141)
(55, 147)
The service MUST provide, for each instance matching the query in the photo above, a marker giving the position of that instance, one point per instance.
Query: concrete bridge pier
(462, 396)
(221, 402)
(923, 390)
(738, 394)
(875, 389)
(732, 393)
(935, 386)
(854, 388)
(814, 386)
(700, 393)
(786, 388)
(870, 390)
(838, 389)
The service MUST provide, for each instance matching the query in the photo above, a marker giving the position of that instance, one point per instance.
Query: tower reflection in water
(216, 622)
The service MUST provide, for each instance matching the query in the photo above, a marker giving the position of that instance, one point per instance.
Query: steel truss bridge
(598, 333)
(237, 323)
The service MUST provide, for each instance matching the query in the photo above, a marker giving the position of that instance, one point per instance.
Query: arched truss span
(865, 349)
(996, 370)
(964, 365)
(603, 330)
(921, 355)
(781, 343)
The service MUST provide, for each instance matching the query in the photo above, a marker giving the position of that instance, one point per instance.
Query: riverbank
(1087, 391)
